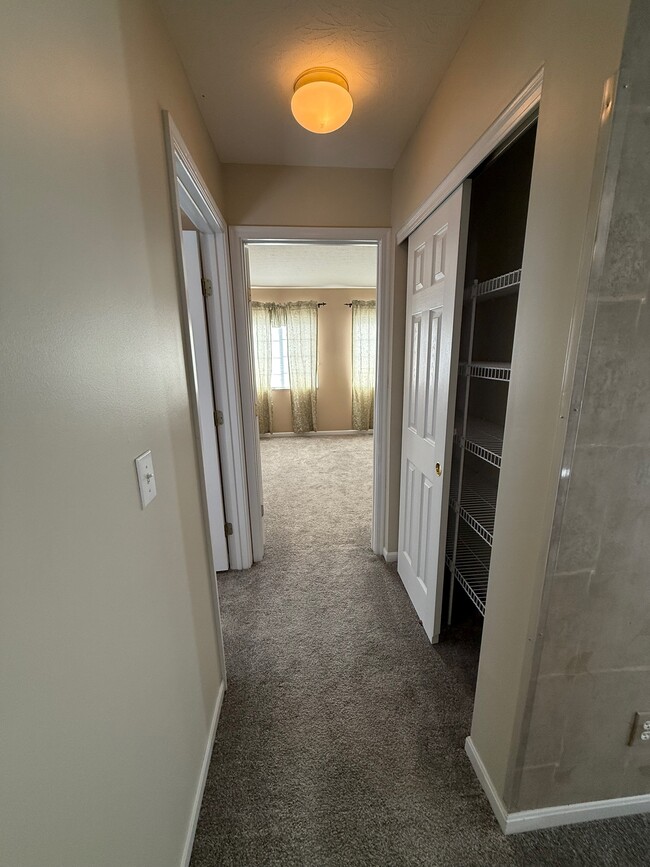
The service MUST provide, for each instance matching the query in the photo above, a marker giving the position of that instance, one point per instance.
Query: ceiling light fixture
(321, 100)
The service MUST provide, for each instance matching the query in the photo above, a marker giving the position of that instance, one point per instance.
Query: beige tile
(616, 621)
(616, 401)
(625, 539)
(563, 627)
(545, 730)
(585, 510)
(595, 751)
(536, 784)
(636, 779)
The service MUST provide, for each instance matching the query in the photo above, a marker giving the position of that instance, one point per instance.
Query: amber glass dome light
(321, 100)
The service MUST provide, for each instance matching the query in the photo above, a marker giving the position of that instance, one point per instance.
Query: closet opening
(464, 272)
(313, 328)
(495, 242)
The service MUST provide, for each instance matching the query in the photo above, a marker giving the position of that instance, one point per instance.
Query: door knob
(438, 469)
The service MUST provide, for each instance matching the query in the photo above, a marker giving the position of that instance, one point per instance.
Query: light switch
(146, 478)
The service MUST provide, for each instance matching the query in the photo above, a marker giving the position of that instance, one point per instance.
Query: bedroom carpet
(342, 731)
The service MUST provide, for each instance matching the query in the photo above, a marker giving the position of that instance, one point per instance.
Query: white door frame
(239, 236)
(190, 194)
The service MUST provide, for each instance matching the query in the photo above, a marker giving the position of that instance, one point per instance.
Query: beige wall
(579, 45)
(334, 355)
(109, 671)
(306, 196)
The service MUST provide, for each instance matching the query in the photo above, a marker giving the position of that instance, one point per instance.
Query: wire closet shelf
(504, 284)
(483, 439)
(473, 496)
(471, 569)
(477, 506)
(496, 370)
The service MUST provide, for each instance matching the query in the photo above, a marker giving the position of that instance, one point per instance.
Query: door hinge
(228, 528)
(218, 417)
(262, 509)
(206, 286)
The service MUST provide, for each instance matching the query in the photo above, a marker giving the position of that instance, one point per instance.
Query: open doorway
(313, 329)
(313, 340)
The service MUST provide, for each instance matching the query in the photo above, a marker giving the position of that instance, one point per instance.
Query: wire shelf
(477, 506)
(489, 370)
(504, 284)
(485, 440)
(471, 569)
(451, 537)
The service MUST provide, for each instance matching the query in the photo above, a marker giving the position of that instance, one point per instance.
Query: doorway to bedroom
(313, 328)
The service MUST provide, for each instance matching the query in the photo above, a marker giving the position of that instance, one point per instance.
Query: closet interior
(497, 227)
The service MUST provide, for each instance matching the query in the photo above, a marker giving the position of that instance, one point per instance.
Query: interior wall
(334, 408)
(594, 668)
(307, 196)
(579, 46)
(109, 669)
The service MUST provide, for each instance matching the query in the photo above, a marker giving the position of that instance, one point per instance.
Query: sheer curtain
(263, 352)
(364, 340)
(302, 350)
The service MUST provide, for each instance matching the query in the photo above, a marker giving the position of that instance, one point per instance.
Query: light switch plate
(146, 478)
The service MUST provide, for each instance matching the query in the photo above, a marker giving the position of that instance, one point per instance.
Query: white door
(206, 410)
(436, 270)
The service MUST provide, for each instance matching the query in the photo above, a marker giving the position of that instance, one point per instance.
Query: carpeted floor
(341, 735)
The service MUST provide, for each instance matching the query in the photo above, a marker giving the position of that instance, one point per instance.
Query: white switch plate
(146, 478)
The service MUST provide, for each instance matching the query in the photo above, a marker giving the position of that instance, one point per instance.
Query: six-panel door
(436, 264)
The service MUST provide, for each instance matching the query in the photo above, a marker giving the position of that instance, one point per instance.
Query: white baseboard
(493, 797)
(203, 776)
(318, 433)
(551, 817)
(389, 556)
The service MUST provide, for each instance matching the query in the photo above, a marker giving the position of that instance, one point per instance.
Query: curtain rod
(322, 303)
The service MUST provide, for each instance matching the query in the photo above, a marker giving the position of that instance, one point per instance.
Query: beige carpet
(342, 731)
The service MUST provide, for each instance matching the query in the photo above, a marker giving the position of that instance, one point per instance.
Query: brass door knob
(438, 470)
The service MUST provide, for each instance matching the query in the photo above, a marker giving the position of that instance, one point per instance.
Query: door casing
(239, 236)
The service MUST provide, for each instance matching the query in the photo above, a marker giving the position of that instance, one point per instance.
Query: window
(280, 362)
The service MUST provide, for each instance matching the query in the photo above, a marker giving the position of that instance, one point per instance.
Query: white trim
(505, 123)
(184, 176)
(493, 797)
(317, 433)
(389, 556)
(203, 776)
(239, 235)
(552, 817)
(189, 193)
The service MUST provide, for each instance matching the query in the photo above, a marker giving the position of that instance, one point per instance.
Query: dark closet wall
(497, 225)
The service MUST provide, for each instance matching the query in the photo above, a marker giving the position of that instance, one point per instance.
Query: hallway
(341, 735)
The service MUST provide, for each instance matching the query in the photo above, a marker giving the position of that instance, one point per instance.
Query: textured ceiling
(313, 266)
(243, 56)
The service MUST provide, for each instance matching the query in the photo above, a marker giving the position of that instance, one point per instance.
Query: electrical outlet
(641, 729)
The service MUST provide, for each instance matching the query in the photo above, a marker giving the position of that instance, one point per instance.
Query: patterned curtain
(364, 340)
(263, 353)
(302, 352)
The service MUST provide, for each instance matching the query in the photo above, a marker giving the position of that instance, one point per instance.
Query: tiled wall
(594, 658)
